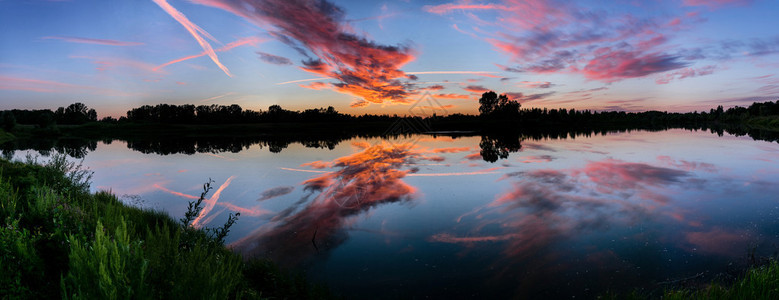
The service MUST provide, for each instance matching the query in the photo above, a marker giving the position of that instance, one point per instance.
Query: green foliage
(57, 240)
(110, 267)
(20, 264)
(204, 270)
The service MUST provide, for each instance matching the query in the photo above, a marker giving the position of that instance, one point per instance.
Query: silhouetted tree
(494, 147)
(46, 120)
(76, 113)
(487, 103)
(490, 104)
(8, 120)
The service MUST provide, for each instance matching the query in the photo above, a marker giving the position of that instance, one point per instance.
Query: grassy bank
(58, 240)
(759, 282)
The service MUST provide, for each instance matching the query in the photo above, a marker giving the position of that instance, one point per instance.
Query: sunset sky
(383, 56)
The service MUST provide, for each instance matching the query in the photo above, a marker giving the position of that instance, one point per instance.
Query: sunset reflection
(362, 181)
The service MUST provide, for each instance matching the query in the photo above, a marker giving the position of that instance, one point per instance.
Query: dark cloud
(275, 192)
(475, 89)
(274, 59)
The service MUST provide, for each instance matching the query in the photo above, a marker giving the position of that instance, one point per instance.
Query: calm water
(428, 216)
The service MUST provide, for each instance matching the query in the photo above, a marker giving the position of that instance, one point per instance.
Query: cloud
(451, 96)
(719, 241)
(448, 7)
(613, 65)
(364, 180)
(217, 97)
(318, 30)
(209, 203)
(450, 149)
(536, 84)
(686, 73)
(195, 31)
(547, 206)
(714, 4)
(359, 103)
(481, 73)
(528, 98)
(315, 85)
(275, 192)
(562, 36)
(108, 63)
(475, 89)
(46, 86)
(274, 59)
(240, 42)
(82, 40)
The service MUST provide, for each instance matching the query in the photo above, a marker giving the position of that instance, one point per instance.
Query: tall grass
(58, 240)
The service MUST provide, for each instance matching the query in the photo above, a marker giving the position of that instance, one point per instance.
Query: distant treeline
(75, 114)
(492, 109)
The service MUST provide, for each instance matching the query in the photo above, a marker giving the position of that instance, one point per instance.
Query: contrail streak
(195, 31)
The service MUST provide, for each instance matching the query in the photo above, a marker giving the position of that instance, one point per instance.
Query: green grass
(58, 240)
(758, 283)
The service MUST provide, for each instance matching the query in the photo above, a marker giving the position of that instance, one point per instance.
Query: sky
(388, 56)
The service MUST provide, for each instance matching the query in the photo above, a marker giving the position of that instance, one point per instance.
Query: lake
(457, 215)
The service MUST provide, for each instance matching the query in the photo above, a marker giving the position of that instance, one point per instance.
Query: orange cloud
(362, 68)
(452, 96)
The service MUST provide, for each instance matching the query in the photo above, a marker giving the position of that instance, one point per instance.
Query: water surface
(462, 216)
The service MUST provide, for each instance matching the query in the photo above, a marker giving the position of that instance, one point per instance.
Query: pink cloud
(536, 84)
(109, 63)
(195, 31)
(551, 37)
(46, 86)
(686, 73)
(81, 40)
(719, 241)
(475, 89)
(448, 7)
(210, 202)
(714, 4)
(611, 65)
(240, 42)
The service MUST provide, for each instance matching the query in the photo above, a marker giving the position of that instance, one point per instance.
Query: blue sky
(383, 56)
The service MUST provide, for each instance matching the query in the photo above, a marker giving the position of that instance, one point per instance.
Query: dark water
(471, 216)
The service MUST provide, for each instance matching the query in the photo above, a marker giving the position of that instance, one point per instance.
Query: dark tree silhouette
(490, 104)
(8, 120)
(74, 114)
(494, 147)
(487, 103)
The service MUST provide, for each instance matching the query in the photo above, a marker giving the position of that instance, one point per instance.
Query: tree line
(75, 114)
(492, 108)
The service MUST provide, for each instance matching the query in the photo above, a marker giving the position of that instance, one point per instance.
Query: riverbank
(59, 241)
